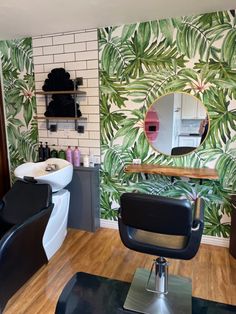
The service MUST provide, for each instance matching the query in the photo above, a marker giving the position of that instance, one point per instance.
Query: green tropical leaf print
(109, 120)
(167, 29)
(21, 54)
(112, 89)
(127, 32)
(223, 120)
(194, 36)
(226, 165)
(27, 146)
(114, 57)
(131, 128)
(149, 87)
(141, 62)
(213, 224)
(20, 103)
(229, 48)
(107, 212)
(221, 17)
(115, 159)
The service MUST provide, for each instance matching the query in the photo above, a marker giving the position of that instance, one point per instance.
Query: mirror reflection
(176, 124)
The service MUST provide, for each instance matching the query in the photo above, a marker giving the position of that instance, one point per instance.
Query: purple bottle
(76, 157)
(69, 155)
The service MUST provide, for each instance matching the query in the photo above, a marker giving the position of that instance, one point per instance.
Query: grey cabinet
(84, 211)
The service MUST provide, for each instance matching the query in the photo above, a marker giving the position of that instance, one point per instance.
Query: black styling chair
(24, 214)
(181, 150)
(164, 227)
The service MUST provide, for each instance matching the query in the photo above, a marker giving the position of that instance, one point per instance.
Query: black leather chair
(164, 227)
(24, 214)
(181, 150)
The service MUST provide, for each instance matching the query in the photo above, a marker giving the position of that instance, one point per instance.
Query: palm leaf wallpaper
(19, 98)
(139, 63)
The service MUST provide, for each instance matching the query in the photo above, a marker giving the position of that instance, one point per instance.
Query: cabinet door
(187, 141)
(201, 111)
(84, 199)
(189, 107)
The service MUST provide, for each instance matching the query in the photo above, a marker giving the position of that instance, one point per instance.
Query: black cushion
(23, 200)
(156, 213)
(181, 150)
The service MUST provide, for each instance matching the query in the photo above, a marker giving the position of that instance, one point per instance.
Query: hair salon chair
(181, 150)
(163, 227)
(24, 214)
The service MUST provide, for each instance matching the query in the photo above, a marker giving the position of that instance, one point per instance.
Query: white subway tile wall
(77, 53)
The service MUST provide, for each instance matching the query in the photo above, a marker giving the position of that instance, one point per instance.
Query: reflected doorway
(4, 166)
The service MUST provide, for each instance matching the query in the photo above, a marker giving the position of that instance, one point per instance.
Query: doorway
(4, 165)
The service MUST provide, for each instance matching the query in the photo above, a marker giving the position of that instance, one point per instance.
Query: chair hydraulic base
(177, 300)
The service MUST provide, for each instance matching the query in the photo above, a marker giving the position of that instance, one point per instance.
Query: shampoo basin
(54, 171)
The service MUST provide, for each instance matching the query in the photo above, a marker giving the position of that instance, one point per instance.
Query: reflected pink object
(151, 125)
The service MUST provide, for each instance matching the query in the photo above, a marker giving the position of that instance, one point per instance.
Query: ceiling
(39, 17)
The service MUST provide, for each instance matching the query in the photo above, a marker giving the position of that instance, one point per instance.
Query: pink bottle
(76, 157)
(69, 155)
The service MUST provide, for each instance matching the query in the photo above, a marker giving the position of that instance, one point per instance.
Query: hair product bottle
(46, 151)
(76, 157)
(86, 161)
(62, 154)
(54, 153)
(69, 154)
(91, 160)
(41, 152)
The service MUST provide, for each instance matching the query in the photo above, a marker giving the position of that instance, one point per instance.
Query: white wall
(165, 110)
(77, 53)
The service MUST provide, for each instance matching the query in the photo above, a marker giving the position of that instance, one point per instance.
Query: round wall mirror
(176, 124)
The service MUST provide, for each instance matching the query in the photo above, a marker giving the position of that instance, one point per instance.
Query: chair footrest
(178, 300)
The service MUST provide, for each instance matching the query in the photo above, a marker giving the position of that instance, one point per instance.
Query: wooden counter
(198, 173)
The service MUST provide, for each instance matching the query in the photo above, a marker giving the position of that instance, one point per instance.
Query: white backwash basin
(58, 178)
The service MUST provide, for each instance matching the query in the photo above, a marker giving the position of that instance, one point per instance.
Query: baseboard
(112, 224)
(218, 241)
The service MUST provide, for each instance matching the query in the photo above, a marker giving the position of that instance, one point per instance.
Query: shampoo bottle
(54, 153)
(76, 157)
(46, 151)
(69, 154)
(62, 154)
(41, 152)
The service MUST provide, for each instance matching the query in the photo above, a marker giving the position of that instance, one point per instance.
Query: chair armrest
(198, 214)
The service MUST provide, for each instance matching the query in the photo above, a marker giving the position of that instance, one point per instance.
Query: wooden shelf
(198, 173)
(60, 118)
(74, 92)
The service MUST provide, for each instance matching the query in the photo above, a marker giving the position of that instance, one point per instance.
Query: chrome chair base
(177, 300)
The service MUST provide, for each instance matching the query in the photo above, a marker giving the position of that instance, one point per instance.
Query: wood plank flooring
(213, 270)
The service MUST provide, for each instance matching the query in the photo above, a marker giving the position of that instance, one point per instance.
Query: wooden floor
(213, 270)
